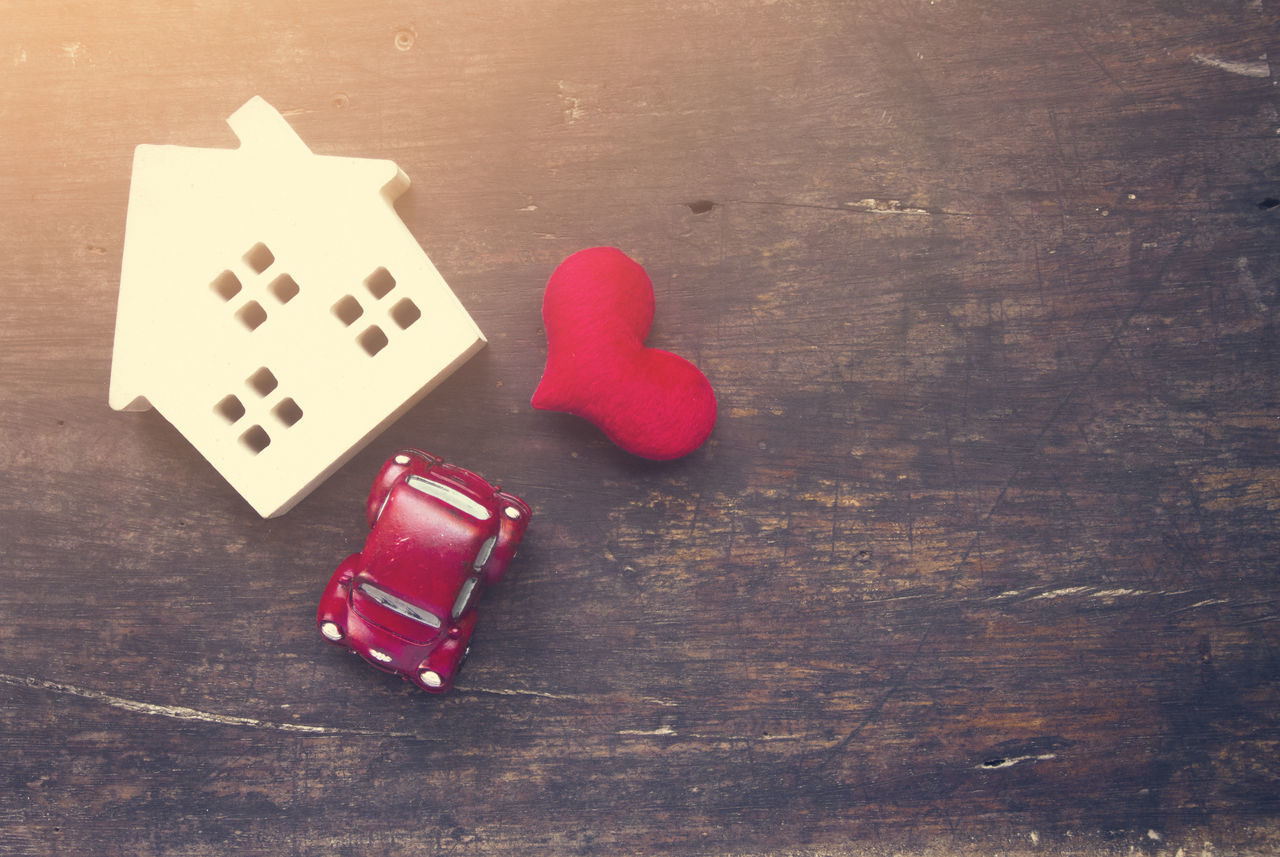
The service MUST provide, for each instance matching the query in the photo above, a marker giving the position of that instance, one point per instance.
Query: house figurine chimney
(257, 124)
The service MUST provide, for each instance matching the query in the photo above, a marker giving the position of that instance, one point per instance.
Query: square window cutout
(284, 288)
(262, 381)
(372, 340)
(226, 285)
(256, 439)
(348, 309)
(379, 283)
(288, 412)
(405, 313)
(252, 315)
(230, 409)
(259, 258)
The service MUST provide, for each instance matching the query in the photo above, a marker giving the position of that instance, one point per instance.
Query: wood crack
(181, 712)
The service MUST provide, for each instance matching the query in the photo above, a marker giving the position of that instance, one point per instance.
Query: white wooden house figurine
(274, 307)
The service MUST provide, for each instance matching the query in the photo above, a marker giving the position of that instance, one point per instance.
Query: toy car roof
(425, 543)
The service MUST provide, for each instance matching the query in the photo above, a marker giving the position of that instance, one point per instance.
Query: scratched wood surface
(981, 557)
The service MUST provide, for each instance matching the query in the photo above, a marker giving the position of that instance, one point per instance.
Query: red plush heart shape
(597, 310)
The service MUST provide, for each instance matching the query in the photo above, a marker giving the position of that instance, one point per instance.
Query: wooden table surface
(981, 556)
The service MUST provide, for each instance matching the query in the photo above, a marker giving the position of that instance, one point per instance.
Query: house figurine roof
(274, 307)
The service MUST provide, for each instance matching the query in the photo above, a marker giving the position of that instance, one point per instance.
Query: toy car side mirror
(454, 632)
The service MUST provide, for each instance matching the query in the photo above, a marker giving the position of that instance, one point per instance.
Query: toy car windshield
(448, 494)
(398, 605)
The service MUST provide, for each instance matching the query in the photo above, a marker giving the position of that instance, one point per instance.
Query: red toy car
(407, 602)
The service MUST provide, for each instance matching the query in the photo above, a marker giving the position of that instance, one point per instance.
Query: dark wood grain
(981, 557)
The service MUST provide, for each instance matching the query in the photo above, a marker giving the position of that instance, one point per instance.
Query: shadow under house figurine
(407, 602)
(597, 310)
(274, 307)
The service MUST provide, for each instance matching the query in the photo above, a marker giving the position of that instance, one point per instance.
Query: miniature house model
(274, 307)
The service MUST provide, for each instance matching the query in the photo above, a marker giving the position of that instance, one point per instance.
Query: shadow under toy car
(407, 602)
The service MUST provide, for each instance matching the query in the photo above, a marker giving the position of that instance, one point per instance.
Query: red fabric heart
(597, 310)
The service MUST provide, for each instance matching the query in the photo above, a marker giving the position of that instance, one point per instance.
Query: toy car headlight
(430, 678)
(331, 631)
